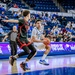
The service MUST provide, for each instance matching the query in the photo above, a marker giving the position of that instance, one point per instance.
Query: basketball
(46, 41)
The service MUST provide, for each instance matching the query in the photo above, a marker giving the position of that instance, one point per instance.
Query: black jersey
(22, 29)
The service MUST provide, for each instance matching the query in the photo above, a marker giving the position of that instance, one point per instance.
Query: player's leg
(13, 58)
(42, 61)
(24, 64)
(20, 44)
(41, 46)
(46, 52)
(33, 51)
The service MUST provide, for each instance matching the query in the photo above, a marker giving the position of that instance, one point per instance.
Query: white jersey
(37, 33)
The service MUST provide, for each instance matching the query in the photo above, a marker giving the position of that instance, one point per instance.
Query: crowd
(57, 28)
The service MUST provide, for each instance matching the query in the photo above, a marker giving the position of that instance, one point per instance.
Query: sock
(16, 56)
(26, 61)
(44, 56)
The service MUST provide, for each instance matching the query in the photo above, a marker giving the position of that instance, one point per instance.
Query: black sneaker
(24, 66)
(11, 60)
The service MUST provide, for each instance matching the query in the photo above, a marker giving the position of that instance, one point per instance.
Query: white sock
(44, 56)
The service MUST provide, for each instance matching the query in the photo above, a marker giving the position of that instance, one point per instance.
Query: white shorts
(39, 46)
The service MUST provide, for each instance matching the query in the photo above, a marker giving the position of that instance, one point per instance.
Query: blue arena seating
(43, 5)
(68, 4)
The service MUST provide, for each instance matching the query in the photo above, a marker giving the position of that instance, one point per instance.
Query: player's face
(28, 16)
(38, 24)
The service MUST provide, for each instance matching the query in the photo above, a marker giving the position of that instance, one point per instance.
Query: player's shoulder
(21, 20)
(34, 28)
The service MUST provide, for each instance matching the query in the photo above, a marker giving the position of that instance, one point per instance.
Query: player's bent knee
(35, 52)
(47, 47)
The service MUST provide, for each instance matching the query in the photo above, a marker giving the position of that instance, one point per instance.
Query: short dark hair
(26, 12)
(37, 21)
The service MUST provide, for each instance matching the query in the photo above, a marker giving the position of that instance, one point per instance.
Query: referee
(12, 37)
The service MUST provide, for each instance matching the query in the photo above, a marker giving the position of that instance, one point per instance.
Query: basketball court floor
(58, 65)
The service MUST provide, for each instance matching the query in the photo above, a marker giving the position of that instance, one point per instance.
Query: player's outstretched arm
(11, 20)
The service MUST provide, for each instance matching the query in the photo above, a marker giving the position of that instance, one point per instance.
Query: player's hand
(43, 40)
(30, 40)
(5, 20)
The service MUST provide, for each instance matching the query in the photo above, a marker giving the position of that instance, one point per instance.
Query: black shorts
(22, 42)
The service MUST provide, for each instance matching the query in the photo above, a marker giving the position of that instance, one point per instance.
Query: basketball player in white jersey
(37, 37)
